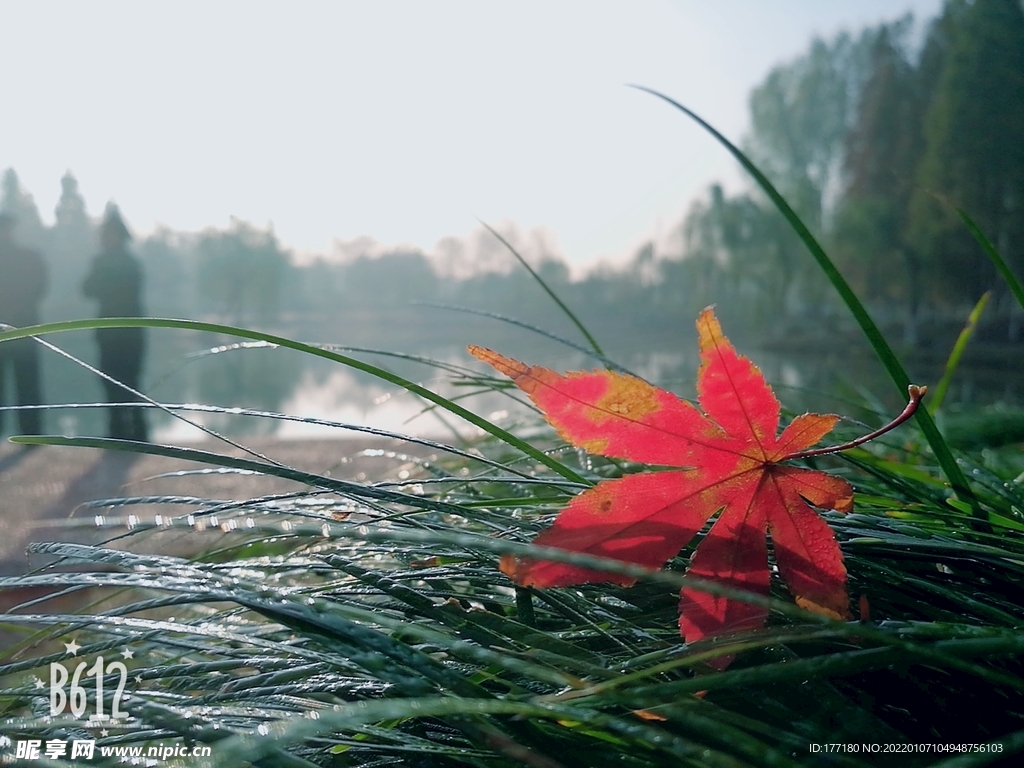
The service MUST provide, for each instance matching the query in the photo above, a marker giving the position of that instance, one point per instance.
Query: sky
(404, 122)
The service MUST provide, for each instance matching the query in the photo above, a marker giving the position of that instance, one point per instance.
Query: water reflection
(186, 368)
(341, 396)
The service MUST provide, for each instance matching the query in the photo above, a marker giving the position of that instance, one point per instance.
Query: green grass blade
(958, 351)
(990, 250)
(554, 296)
(357, 490)
(885, 354)
(281, 341)
(607, 362)
(477, 543)
(375, 431)
(250, 746)
(247, 345)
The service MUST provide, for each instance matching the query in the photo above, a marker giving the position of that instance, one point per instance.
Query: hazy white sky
(397, 120)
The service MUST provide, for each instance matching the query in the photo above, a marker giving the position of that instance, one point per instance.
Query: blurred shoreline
(46, 486)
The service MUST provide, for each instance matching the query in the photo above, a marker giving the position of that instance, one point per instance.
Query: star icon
(40, 683)
(73, 647)
(128, 653)
(138, 679)
(104, 732)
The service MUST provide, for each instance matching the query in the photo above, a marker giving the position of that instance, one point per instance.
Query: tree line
(874, 137)
(876, 142)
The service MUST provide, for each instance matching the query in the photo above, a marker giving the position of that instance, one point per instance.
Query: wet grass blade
(957, 352)
(351, 489)
(554, 296)
(281, 341)
(611, 364)
(233, 411)
(990, 250)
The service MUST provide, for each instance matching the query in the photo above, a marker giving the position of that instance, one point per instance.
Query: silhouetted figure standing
(115, 280)
(23, 283)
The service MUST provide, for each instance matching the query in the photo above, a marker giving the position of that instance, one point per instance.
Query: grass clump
(358, 624)
(364, 623)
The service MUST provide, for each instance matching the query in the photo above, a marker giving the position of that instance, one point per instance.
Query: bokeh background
(321, 170)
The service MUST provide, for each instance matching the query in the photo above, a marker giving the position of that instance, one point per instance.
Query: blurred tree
(701, 275)
(800, 116)
(169, 291)
(240, 271)
(554, 272)
(391, 280)
(763, 259)
(974, 149)
(882, 151)
(320, 287)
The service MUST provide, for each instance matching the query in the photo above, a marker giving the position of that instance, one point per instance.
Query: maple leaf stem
(913, 391)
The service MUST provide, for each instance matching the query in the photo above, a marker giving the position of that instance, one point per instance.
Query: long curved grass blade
(611, 364)
(245, 333)
(146, 398)
(958, 351)
(247, 747)
(471, 542)
(358, 490)
(990, 250)
(233, 411)
(247, 345)
(561, 304)
(878, 342)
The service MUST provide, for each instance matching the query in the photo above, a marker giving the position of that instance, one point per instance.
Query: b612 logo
(76, 698)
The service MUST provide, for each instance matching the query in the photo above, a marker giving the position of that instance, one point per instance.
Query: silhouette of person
(23, 282)
(115, 281)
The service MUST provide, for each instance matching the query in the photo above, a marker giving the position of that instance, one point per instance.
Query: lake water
(185, 368)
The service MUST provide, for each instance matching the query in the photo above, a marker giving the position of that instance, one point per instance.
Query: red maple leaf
(731, 455)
